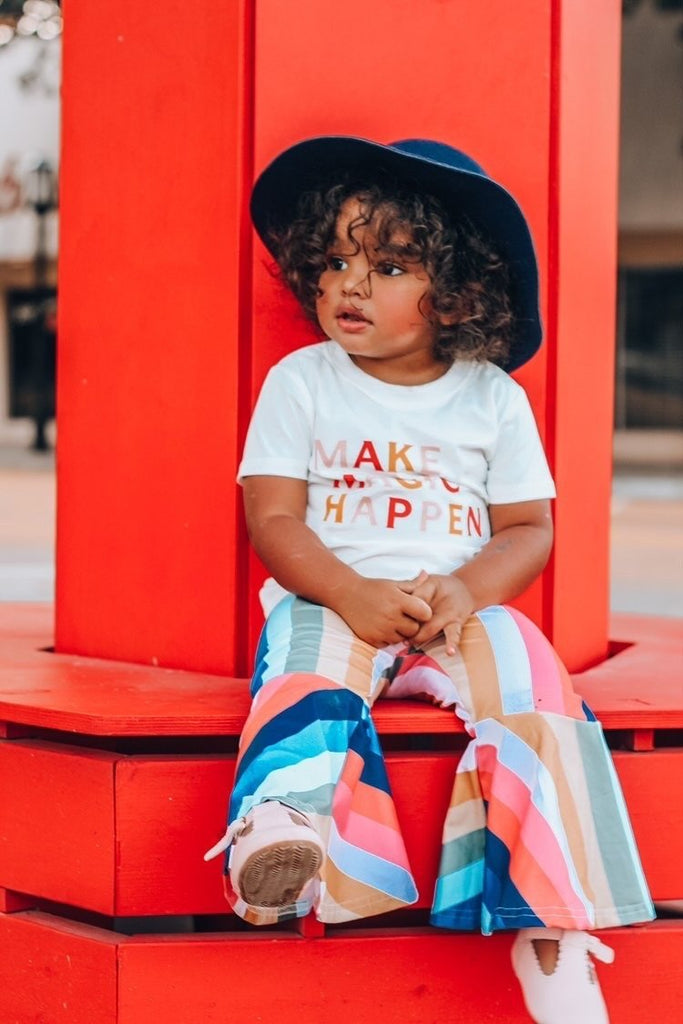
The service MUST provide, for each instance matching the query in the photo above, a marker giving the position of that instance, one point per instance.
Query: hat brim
(305, 165)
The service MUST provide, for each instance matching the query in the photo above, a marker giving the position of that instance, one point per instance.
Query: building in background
(30, 50)
(649, 381)
(649, 374)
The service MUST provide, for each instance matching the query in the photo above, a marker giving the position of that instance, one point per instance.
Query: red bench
(114, 780)
(113, 777)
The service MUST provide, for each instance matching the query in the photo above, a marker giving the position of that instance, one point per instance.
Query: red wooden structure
(119, 744)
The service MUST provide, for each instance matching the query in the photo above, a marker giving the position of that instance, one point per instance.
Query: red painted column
(581, 323)
(475, 73)
(163, 342)
(530, 90)
(153, 284)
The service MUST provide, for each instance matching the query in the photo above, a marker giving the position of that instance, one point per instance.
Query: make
(407, 457)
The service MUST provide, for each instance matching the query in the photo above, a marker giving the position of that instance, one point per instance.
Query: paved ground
(647, 544)
(27, 529)
(647, 535)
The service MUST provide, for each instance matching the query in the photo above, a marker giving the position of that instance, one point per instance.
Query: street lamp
(40, 193)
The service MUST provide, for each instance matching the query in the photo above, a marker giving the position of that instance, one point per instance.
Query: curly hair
(468, 298)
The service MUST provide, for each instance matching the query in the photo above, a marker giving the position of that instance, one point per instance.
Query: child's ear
(456, 315)
(450, 319)
(443, 319)
(463, 306)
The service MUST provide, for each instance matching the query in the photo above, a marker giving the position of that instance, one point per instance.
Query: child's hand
(383, 612)
(451, 604)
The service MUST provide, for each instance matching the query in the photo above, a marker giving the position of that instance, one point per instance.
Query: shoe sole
(275, 875)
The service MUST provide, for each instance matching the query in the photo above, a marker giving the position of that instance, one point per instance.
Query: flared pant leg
(310, 742)
(537, 832)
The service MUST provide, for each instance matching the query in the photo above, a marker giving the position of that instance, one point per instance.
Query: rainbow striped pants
(537, 833)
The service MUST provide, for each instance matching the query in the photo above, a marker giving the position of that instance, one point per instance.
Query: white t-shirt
(399, 478)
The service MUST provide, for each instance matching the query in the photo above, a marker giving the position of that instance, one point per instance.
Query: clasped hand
(387, 611)
(451, 604)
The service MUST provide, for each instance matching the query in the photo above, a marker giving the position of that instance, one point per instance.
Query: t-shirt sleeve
(517, 466)
(279, 437)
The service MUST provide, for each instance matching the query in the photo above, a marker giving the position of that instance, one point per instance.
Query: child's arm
(522, 537)
(378, 611)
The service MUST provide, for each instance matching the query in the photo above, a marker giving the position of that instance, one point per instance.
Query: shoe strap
(591, 943)
(233, 831)
(598, 949)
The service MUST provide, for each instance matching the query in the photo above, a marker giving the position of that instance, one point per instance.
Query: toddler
(396, 489)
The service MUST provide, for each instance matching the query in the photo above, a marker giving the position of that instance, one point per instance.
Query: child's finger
(423, 635)
(452, 633)
(439, 624)
(417, 609)
(408, 586)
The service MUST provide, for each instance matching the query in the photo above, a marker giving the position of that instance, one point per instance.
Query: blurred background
(647, 503)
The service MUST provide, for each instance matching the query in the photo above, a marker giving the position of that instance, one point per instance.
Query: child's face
(369, 303)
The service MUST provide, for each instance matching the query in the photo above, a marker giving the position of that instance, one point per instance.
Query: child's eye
(336, 263)
(389, 269)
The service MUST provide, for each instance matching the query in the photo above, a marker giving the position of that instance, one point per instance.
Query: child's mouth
(350, 320)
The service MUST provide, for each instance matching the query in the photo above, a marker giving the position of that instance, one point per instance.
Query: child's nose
(356, 282)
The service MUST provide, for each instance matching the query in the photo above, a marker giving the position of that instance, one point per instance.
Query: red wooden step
(58, 972)
(124, 835)
(638, 688)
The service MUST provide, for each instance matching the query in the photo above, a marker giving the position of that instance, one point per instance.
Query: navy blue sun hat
(434, 168)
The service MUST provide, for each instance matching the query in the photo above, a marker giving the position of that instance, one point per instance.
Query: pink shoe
(276, 852)
(571, 994)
